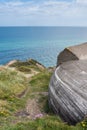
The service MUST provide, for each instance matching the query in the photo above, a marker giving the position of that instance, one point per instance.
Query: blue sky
(43, 12)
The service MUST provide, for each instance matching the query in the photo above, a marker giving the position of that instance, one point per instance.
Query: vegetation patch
(11, 85)
(46, 123)
(27, 66)
(40, 82)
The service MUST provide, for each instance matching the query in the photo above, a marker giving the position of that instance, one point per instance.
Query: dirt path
(32, 106)
(33, 109)
(30, 75)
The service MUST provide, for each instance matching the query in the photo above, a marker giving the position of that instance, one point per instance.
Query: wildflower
(38, 116)
(83, 125)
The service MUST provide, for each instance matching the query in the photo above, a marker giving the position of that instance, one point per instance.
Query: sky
(43, 12)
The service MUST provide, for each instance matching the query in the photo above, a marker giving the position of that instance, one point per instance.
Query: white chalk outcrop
(68, 88)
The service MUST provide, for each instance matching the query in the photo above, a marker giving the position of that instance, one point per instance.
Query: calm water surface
(40, 43)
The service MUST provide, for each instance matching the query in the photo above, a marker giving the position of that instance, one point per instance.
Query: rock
(68, 91)
(11, 62)
(78, 52)
(68, 85)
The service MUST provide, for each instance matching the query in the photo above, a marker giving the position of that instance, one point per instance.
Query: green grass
(27, 66)
(40, 82)
(12, 85)
(44, 105)
(47, 123)
(25, 69)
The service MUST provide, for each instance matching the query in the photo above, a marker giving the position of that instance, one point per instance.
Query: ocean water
(40, 43)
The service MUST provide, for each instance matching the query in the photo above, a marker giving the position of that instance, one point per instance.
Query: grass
(27, 66)
(11, 85)
(46, 123)
(40, 82)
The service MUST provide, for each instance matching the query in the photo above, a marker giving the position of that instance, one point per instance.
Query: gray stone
(78, 52)
(68, 85)
(68, 91)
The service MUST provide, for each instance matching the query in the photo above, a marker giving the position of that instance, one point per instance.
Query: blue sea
(40, 43)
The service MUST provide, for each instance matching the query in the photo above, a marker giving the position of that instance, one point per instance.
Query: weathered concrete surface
(78, 52)
(68, 91)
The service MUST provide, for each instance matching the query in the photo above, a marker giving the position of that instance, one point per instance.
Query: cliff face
(68, 90)
(78, 52)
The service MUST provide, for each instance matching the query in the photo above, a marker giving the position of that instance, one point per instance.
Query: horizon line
(40, 26)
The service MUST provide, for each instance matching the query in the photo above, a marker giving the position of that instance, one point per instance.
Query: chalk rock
(68, 91)
(78, 52)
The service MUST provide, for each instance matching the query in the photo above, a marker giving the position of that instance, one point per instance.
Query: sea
(40, 43)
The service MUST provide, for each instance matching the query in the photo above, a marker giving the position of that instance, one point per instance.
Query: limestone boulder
(68, 85)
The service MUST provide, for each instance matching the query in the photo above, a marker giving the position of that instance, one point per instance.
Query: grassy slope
(12, 84)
